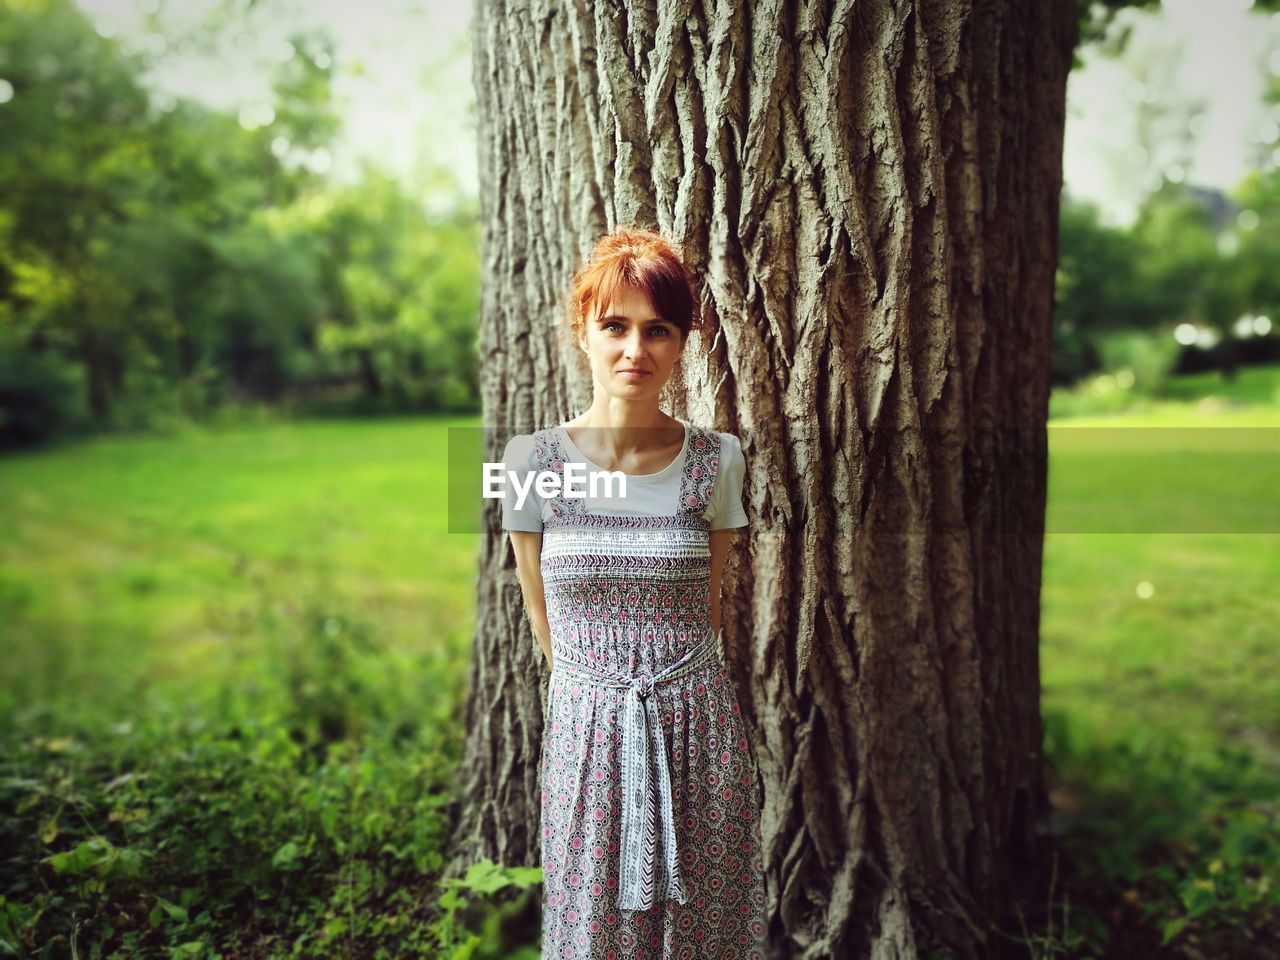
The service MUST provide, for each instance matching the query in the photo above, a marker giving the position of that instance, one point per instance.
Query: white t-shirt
(651, 494)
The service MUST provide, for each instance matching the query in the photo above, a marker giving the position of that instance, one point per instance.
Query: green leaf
(485, 877)
(451, 899)
(286, 856)
(171, 908)
(524, 877)
(87, 855)
(1171, 929)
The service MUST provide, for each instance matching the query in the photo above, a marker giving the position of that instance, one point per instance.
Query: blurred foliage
(1191, 256)
(1098, 26)
(158, 260)
(300, 808)
(1101, 24)
(162, 261)
(1256, 264)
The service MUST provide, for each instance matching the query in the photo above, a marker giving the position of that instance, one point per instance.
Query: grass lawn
(1170, 629)
(171, 604)
(131, 561)
(229, 708)
(1161, 674)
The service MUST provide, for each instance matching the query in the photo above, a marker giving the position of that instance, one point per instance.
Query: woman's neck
(621, 428)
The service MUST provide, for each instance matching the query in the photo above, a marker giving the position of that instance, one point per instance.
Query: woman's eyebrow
(617, 316)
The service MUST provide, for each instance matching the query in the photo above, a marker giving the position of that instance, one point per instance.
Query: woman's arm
(719, 550)
(528, 549)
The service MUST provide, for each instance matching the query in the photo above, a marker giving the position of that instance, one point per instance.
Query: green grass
(231, 699)
(236, 659)
(1155, 633)
(1146, 473)
(1160, 677)
(1256, 386)
(161, 547)
(1254, 389)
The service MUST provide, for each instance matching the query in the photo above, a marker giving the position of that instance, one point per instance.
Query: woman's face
(632, 350)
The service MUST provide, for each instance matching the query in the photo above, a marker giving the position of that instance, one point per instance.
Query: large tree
(868, 192)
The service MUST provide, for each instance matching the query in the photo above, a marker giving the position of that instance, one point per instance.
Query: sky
(403, 80)
(402, 76)
(1212, 53)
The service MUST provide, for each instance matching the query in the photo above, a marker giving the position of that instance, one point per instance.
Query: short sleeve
(727, 496)
(518, 459)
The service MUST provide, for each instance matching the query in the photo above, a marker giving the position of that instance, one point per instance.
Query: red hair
(631, 256)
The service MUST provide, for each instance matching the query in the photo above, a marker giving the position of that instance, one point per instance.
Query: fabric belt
(646, 874)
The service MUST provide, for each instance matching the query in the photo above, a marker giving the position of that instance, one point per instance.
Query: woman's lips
(634, 374)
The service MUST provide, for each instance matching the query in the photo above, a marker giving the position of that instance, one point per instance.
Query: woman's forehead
(631, 303)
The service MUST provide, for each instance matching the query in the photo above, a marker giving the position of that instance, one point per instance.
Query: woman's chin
(637, 389)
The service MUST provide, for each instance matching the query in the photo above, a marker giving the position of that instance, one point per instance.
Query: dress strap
(549, 454)
(702, 462)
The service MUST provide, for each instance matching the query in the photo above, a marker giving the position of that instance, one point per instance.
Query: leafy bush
(40, 397)
(1148, 355)
(303, 812)
(1184, 841)
(501, 926)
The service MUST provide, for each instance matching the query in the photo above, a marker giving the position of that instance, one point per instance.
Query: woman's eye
(660, 331)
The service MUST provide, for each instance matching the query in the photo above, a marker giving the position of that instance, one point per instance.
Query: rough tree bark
(868, 192)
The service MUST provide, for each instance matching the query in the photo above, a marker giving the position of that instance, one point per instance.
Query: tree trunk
(104, 372)
(369, 377)
(868, 193)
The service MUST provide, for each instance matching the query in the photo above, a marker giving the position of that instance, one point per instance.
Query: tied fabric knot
(649, 861)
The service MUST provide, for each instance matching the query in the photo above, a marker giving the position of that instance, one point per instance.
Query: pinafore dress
(650, 800)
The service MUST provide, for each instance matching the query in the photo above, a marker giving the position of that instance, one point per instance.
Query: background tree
(1259, 243)
(1097, 289)
(403, 296)
(159, 258)
(869, 195)
(71, 134)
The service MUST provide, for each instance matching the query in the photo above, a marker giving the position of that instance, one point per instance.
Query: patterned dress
(650, 800)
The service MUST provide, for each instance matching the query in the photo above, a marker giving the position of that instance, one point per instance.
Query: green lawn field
(235, 657)
(132, 561)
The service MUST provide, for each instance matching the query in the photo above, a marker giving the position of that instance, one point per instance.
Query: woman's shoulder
(729, 442)
(524, 447)
(530, 449)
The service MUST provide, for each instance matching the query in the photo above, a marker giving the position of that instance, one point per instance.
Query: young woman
(650, 802)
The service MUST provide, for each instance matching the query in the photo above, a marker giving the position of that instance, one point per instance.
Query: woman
(650, 803)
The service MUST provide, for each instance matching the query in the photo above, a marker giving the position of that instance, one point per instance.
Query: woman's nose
(635, 345)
